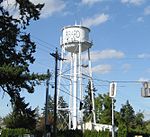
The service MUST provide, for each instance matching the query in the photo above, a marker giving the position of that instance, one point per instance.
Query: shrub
(19, 132)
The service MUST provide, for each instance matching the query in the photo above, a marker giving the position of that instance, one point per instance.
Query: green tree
(98, 107)
(62, 116)
(103, 111)
(147, 124)
(139, 121)
(26, 118)
(87, 104)
(106, 111)
(127, 116)
(61, 104)
(16, 52)
(129, 122)
(40, 127)
(103, 106)
(122, 130)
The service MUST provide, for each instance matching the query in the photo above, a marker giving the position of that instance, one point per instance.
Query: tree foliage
(87, 104)
(139, 120)
(16, 48)
(14, 132)
(103, 108)
(129, 121)
(127, 115)
(147, 125)
(16, 51)
(62, 116)
(22, 116)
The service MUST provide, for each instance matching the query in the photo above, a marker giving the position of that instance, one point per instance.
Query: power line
(120, 81)
(46, 43)
(43, 41)
(46, 48)
(70, 94)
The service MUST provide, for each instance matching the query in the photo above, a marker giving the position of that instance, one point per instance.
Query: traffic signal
(112, 89)
(71, 124)
(81, 105)
(145, 91)
(146, 85)
(48, 128)
(90, 108)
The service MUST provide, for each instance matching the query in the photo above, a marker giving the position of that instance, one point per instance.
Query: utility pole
(113, 132)
(46, 103)
(57, 57)
(112, 94)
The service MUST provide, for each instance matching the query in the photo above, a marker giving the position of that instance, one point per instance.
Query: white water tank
(72, 36)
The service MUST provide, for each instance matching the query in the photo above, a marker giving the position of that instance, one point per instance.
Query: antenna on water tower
(74, 41)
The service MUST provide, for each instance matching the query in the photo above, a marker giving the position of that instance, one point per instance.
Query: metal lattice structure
(73, 73)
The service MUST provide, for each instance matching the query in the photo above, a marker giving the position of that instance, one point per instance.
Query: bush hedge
(72, 133)
(19, 132)
(93, 133)
(86, 133)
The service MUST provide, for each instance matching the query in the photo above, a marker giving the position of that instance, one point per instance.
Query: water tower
(75, 43)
